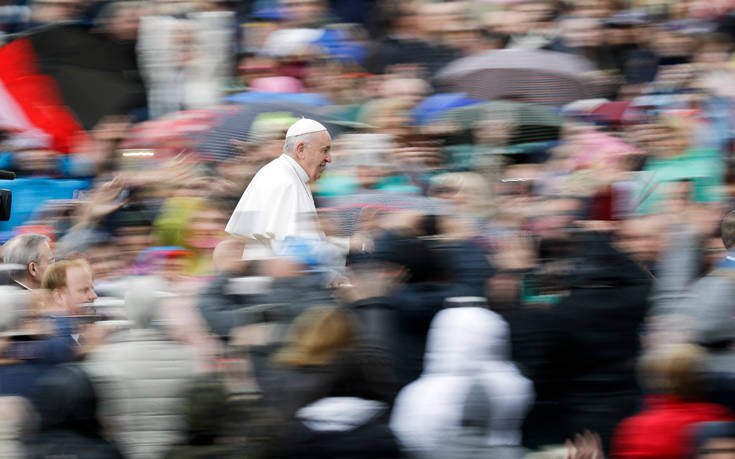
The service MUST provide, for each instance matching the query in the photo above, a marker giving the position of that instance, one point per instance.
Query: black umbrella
(219, 143)
(537, 76)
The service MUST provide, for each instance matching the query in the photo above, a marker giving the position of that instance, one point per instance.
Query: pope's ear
(300, 150)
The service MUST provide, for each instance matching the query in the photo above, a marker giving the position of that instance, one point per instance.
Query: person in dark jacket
(399, 43)
(432, 273)
(205, 420)
(67, 404)
(331, 391)
(31, 348)
(581, 352)
(256, 291)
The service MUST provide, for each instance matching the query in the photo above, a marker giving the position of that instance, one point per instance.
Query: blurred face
(641, 238)
(173, 268)
(206, 229)
(581, 32)
(132, 240)
(78, 290)
(554, 217)
(35, 162)
(314, 154)
(105, 261)
(123, 23)
(304, 10)
(48, 11)
(409, 90)
(451, 192)
(38, 268)
(714, 252)
(369, 176)
(717, 448)
(534, 13)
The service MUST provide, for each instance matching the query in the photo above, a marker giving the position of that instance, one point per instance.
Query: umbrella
(218, 143)
(540, 76)
(598, 148)
(305, 98)
(436, 105)
(176, 131)
(611, 112)
(531, 122)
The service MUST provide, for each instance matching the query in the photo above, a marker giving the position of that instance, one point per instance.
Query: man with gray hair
(278, 203)
(32, 254)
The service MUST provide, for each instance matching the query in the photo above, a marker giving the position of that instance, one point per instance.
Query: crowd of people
(526, 233)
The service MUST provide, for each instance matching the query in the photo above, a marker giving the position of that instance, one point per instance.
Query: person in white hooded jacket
(467, 347)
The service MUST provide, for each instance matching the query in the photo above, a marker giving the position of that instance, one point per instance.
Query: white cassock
(276, 204)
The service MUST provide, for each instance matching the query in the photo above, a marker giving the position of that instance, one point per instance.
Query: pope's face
(316, 154)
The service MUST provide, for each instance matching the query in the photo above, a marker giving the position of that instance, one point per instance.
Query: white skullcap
(304, 126)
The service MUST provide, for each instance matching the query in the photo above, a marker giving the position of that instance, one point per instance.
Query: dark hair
(727, 229)
(412, 253)
(76, 409)
(132, 216)
(717, 39)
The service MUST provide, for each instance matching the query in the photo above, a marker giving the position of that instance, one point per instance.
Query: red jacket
(661, 431)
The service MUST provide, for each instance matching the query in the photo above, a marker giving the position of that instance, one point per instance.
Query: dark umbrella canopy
(538, 76)
(219, 143)
(530, 123)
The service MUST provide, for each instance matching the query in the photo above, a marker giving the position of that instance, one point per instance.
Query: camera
(6, 196)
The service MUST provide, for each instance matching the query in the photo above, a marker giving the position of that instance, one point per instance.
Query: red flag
(37, 95)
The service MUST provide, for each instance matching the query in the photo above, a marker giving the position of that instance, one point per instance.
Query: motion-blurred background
(531, 198)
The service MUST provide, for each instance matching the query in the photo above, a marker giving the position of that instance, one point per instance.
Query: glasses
(302, 3)
(708, 451)
(446, 190)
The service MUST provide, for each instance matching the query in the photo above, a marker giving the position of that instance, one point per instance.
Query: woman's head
(468, 190)
(317, 336)
(676, 370)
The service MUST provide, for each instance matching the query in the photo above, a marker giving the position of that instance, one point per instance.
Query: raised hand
(585, 446)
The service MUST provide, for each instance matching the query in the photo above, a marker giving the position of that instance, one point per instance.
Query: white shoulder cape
(276, 204)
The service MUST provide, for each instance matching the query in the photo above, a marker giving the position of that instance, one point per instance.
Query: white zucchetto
(304, 126)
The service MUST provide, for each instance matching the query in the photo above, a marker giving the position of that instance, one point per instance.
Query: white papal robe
(276, 204)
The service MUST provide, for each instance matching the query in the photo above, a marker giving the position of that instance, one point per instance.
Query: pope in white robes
(277, 203)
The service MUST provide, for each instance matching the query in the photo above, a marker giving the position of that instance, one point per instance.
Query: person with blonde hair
(70, 285)
(674, 158)
(317, 336)
(663, 428)
(331, 388)
(469, 191)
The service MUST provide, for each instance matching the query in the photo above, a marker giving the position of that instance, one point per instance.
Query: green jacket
(703, 166)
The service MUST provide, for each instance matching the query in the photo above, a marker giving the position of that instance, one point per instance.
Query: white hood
(465, 346)
(462, 341)
(339, 413)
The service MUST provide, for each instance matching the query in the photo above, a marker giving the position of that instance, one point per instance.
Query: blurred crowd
(529, 204)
